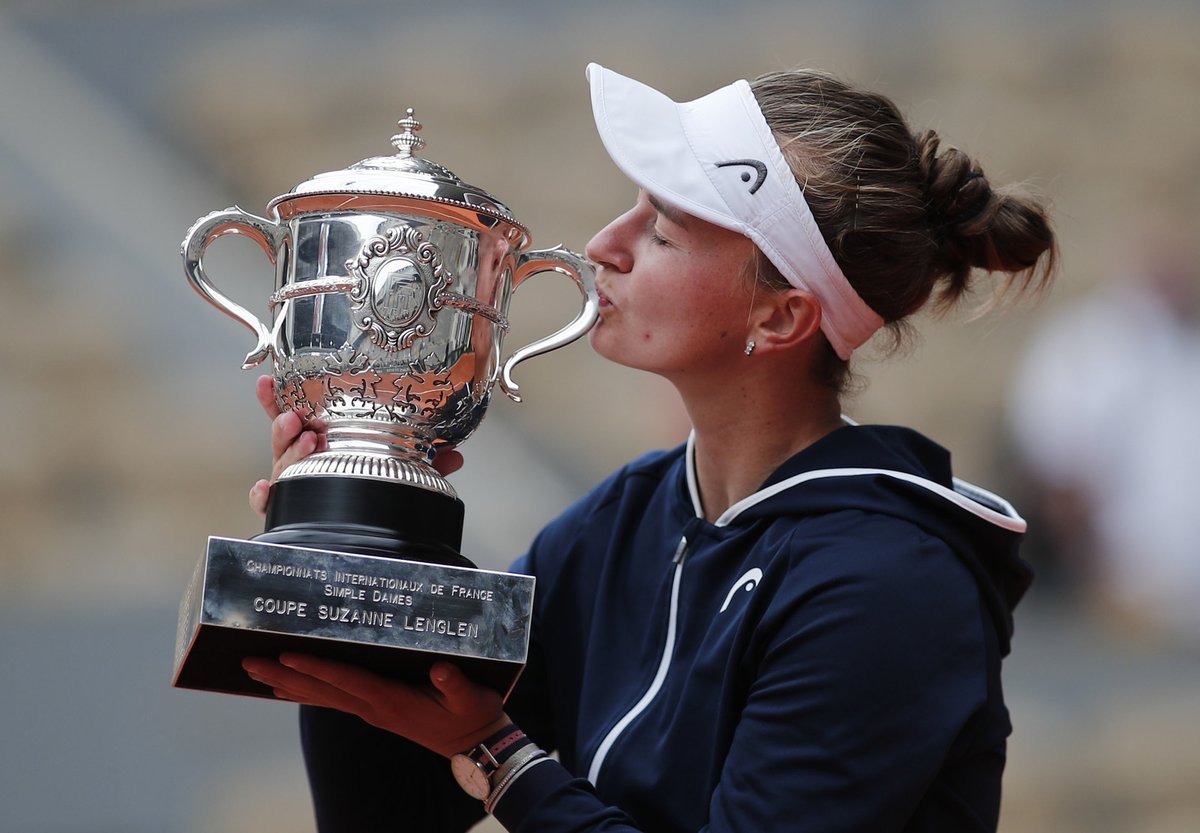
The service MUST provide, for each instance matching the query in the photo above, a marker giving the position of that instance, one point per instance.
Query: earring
(750, 347)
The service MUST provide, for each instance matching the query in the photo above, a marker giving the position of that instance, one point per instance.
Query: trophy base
(360, 515)
(332, 578)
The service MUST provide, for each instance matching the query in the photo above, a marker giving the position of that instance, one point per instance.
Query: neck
(750, 428)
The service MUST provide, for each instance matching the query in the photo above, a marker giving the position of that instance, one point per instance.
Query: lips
(605, 301)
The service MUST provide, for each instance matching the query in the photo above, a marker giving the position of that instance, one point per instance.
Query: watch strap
(507, 743)
(497, 748)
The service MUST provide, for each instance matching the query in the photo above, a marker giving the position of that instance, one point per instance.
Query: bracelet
(517, 759)
(494, 799)
(522, 760)
(489, 804)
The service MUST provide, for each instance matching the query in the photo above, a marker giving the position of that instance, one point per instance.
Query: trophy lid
(404, 175)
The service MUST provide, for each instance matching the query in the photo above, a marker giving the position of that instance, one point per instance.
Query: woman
(790, 623)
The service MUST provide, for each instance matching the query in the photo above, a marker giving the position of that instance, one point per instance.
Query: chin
(607, 347)
(598, 338)
(609, 342)
(627, 358)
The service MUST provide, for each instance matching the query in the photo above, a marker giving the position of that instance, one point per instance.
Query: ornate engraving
(347, 360)
(302, 289)
(471, 305)
(398, 291)
(341, 395)
(289, 394)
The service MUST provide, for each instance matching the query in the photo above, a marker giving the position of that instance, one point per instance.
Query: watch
(473, 769)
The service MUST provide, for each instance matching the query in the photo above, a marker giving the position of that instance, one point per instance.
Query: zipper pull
(680, 550)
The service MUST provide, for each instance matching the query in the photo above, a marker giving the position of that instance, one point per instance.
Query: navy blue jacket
(824, 657)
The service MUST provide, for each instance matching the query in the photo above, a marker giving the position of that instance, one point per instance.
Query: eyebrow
(673, 214)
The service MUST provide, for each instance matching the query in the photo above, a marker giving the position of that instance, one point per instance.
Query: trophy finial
(407, 141)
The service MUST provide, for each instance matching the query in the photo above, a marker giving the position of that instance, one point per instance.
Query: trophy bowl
(393, 279)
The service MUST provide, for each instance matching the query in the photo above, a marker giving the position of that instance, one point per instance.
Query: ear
(785, 320)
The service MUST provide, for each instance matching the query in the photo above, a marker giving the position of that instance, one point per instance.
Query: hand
(449, 716)
(292, 440)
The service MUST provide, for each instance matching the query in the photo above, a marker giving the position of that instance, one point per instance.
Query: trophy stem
(366, 517)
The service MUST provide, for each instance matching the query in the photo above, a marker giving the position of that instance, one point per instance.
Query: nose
(610, 247)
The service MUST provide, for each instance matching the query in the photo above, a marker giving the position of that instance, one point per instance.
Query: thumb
(461, 695)
(259, 494)
(451, 682)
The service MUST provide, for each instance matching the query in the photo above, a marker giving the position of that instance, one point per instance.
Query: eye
(657, 239)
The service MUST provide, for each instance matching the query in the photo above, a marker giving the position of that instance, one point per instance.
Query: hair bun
(974, 225)
(906, 219)
(958, 190)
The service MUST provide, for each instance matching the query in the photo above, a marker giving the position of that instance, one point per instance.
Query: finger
(285, 429)
(292, 439)
(291, 684)
(461, 695)
(447, 461)
(267, 671)
(309, 442)
(448, 679)
(264, 389)
(358, 682)
(259, 493)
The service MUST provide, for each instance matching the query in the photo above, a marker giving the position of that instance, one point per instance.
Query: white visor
(716, 158)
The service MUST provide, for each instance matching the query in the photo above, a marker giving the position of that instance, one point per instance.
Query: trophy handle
(583, 273)
(207, 229)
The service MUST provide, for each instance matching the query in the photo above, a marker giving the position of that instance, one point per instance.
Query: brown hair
(904, 221)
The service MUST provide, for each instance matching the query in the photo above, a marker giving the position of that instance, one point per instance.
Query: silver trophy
(392, 284)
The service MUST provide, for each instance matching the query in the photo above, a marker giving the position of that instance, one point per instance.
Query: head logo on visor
(759, 168)
(717, 159)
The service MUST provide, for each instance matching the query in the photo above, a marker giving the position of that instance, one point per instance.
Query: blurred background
(131, 434)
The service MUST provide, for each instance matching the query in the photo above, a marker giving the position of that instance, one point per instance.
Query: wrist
(468, 742)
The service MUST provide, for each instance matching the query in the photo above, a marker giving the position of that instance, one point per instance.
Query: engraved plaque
(394, 617)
